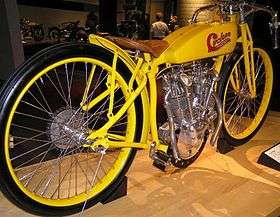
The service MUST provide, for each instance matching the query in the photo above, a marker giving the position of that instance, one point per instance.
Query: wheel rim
(242, 114)
(75, 174)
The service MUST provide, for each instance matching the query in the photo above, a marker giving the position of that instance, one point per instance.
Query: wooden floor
(216, 185)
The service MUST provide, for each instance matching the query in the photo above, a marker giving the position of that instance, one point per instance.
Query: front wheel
(45, 168)
(243, 114)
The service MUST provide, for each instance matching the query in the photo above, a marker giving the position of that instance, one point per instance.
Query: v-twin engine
(192, 107)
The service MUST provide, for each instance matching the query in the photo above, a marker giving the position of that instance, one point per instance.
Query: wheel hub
(244, 93)
(67, 129)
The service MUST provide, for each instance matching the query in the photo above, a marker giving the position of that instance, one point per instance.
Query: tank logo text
(215, 42)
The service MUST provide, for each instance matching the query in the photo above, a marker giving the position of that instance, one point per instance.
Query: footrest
(161, 160)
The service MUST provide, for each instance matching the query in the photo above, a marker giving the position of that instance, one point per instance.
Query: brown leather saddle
(154, 47)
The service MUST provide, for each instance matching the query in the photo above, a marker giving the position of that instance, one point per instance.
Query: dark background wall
(261, 34)
(11, 52)
(108, 16)
(50, 16)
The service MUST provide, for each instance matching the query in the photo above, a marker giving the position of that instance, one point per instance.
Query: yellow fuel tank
(197, 41)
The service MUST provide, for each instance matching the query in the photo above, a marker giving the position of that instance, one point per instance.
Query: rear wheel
(45, 168)
(243, 114)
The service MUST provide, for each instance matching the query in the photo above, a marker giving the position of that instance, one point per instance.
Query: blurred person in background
(159, 29)
(173, 23)
(92, 22)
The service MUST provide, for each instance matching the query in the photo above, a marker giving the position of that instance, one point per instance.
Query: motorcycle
(31, 30)
(128, 29)
(74, 115)
(133, 26)
(68, 31)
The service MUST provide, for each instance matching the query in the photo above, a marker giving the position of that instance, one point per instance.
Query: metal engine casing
(187, 92)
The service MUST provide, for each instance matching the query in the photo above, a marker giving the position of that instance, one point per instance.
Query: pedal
(161, 160)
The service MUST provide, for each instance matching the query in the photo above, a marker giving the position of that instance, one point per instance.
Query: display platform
(121, 191)
(216, 185)
(271, 157)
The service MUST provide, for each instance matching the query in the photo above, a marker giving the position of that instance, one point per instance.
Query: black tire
(227, 68)
(10, 92)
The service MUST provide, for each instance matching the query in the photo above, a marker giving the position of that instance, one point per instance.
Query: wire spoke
(37, 156)
(27, 128)
(43, 97)
(33, 116)
(58, 160)
(238, 106)
(36, 107)
(81, 106)
(34, 149)
(69, 83)
(58, 91)
(25, 139)
(60, 85)
(94, 178)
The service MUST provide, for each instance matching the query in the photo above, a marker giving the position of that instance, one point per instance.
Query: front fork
(248, 55)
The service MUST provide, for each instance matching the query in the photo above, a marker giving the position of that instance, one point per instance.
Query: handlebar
(273, 24)
(201, 9)
(244, 9)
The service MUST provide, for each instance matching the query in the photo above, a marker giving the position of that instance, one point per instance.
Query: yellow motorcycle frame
(146, 70)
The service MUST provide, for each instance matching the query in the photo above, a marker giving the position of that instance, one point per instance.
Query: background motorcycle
(68, 31)
(31, 30)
